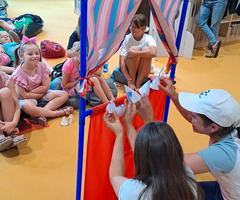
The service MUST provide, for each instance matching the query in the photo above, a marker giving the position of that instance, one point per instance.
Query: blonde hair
(8, 35)
(21, 49)
(76, 48)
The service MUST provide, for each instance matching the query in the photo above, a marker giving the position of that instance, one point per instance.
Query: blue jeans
(215, 10)
(212, 190)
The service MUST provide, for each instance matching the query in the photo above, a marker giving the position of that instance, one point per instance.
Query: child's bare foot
(132, 86)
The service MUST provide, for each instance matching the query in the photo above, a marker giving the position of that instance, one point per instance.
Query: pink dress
(4, 79)
(72, 70)
(31, 82)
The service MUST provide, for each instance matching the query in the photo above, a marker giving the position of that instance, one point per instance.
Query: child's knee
(63, 95)
(94, 80)
(28, 106)
(145, 48)
(135, 48)
(5, 93)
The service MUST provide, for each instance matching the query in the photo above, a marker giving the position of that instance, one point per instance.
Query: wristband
(130, 79)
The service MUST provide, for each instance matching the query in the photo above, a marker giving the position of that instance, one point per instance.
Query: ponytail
(17, 60)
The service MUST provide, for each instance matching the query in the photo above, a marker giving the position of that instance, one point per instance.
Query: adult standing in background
(74, 37)
(214, 10)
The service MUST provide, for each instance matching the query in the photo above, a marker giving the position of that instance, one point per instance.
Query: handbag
(51, 49)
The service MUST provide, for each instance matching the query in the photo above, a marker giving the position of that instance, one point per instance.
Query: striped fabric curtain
(108, 22)
(164, 13)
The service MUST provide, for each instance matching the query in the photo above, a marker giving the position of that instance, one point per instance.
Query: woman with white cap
(217, 114)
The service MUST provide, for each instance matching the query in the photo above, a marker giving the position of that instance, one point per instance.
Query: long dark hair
(222, 131)
(158, 159)
(140, 20)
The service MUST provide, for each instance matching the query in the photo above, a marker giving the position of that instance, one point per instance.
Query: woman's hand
(167, 86)
(113, 123)
(145, 110)
(130, 113)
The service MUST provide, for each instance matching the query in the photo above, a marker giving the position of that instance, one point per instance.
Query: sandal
(39, 120)
(5, 142)
(17, 140)
(66, 109)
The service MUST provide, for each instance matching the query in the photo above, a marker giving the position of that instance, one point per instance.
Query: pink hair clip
(25, 39)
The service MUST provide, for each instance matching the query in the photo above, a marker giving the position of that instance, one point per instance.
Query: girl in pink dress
(32, 83)
(71, 75)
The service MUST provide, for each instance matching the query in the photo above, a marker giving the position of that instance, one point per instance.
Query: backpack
(57, 70)
(51, 49)
(34, 24)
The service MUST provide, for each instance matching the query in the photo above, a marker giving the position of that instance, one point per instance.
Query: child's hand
(7, 126)
(2, 49)
(132, 52)
(113, 123)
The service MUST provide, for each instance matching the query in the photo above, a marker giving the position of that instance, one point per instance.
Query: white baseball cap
(218, 105)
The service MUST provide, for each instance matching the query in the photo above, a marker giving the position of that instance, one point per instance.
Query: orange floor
(45, 166)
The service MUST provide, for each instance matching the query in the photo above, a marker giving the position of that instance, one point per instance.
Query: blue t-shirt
(10, 48)
(223, 159)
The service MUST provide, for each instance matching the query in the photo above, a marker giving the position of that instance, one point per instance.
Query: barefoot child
(71, 75)
(32, 81)
(136, 53)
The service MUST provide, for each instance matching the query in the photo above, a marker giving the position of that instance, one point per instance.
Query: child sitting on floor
(5, 59)
(71, 75)
(32, 81)
(8, 46)
(9, 114)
